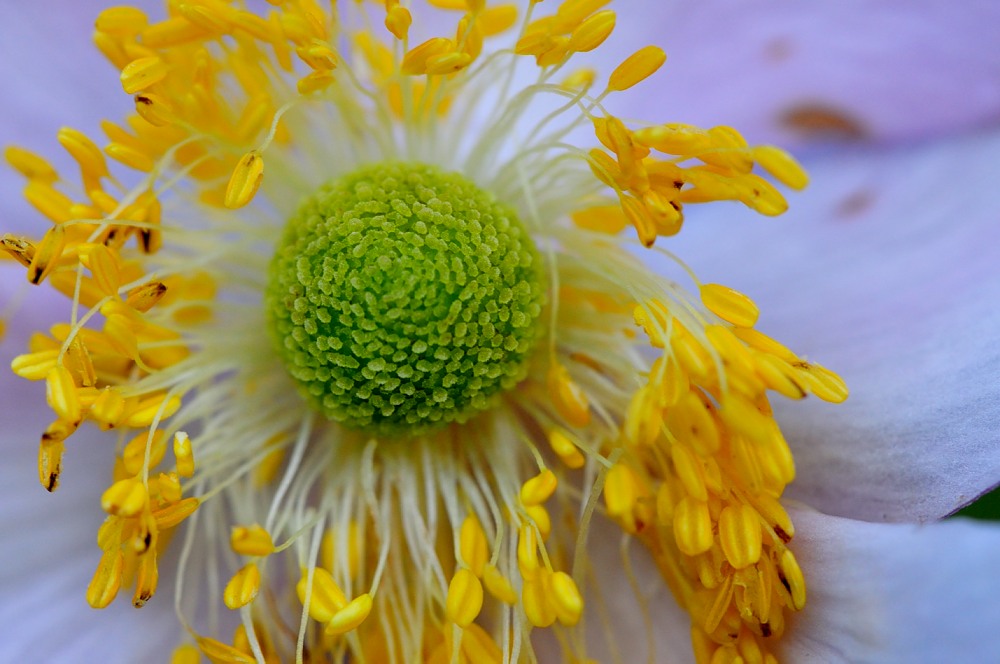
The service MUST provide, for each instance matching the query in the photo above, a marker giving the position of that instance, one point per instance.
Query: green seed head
(402, 298)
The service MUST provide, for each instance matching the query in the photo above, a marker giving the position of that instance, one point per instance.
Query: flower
(627, 524)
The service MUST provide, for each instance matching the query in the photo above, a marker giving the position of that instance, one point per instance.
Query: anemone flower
(385, 321)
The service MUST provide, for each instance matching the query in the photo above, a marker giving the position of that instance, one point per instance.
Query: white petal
(896, 593)
(886, 70)
(886, 271)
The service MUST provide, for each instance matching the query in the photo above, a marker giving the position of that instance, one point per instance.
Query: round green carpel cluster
(402, 298)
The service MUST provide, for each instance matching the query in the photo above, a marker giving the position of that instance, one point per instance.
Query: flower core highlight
(402, 298)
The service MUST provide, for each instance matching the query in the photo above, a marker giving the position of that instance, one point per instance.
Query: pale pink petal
(880, 593)
(782, 71)
(886, 271)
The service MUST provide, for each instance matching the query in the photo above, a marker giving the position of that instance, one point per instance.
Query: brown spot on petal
(821, 121)
(855, 204)
(778, 49)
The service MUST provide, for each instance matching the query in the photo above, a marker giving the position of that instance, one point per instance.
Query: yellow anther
(125, 497)
(571, 12)
(172, 32)
(564, 448)
(84, 152)
(170, 487)
(539, 488)
(351, 616)
(790, 575)
(134, 453)
(146, 410)
(473, 546)
(601, 218)
(740, 535)
(50, 453)
(691, 422)
(398, 21)
(497, 19)
(30, 165)
(729, 305)
(174, 513)
(185, 654)
(689, 470)
(446, 63)
(267, 470)
(131, 157)
(245, 180)
(637, 67)
(251, 540)
(61, 394)
(527, 550)
(540, 516)
(621, 491)
(765, 344)
(479, 647)
(218, 652)
(147, 576)
(465, 598)
(455, 5)
(183, 454)
(105, 267)
(775, 515)
(570, 401)
(567, 599)
(243, 587)
(498, 585)
(579, 79)
(47, 200)
(35, 366)
(536, 596)
(154, 109)
(143, 298)
(214, 18)
(47, 253)
(415, 61)
(121, 21)
(330, 548)
(781, 165)
(639, 217)
(107, 579)
(18, 248)
(758, 194)
(140, 74)
(326, 598)
(822, 382)
(747, 419)
(778, 375)
(592, 32)
(644, 417)
(692, 526)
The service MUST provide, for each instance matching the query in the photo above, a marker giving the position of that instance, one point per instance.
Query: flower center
(402, 298)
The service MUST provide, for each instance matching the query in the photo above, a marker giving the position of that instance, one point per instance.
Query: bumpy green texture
(402, 298)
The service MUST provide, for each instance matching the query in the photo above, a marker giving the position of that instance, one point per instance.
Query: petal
(896, 593)
(884, 271)
(46, 89)
(784, 71)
